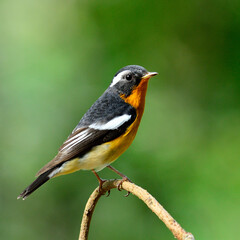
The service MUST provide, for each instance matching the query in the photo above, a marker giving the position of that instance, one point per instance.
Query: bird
(104, 132)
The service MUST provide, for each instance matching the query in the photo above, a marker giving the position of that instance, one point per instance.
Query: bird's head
(130, 78)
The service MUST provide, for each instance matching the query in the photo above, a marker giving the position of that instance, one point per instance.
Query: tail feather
(35, 185)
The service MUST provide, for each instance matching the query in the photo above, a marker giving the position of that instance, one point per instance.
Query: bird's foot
(100, 189)
(119, 186)
(124, 178)
(101, 182)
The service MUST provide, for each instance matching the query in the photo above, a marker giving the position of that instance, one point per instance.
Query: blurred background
(57, 58)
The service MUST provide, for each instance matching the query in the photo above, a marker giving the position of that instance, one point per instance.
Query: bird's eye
(129, 77)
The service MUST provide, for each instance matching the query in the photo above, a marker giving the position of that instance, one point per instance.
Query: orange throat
(137, 97)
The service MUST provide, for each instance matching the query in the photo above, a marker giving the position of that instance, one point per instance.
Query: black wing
(83, 140)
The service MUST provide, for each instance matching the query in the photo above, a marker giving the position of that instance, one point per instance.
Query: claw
(108, 193)
(100, 184)
(127, 194)
(119, 186)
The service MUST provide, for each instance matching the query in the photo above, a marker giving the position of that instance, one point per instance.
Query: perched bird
(105, 131)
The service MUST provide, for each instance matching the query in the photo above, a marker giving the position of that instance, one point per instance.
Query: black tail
(35, 185)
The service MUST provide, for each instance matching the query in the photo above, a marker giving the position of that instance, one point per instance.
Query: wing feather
(83, 139)
(76, 145)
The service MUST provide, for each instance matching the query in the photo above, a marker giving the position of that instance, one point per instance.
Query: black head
(129, 77)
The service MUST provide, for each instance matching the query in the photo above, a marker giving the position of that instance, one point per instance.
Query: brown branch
(142, 194)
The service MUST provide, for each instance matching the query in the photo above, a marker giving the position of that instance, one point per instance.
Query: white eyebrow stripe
(118, 78)
(112, 124)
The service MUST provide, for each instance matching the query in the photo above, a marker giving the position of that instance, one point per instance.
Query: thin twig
(142, 194)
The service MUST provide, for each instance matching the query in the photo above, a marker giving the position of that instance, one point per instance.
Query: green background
(56, 59)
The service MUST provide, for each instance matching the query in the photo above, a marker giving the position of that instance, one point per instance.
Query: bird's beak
(149, 75)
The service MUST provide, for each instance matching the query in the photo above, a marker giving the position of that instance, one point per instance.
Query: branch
(142, 194)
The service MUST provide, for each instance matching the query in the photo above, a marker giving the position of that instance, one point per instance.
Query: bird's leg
(124, 178)
(101, 181)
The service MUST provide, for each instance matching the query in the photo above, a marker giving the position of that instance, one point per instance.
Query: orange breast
(137, 100)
